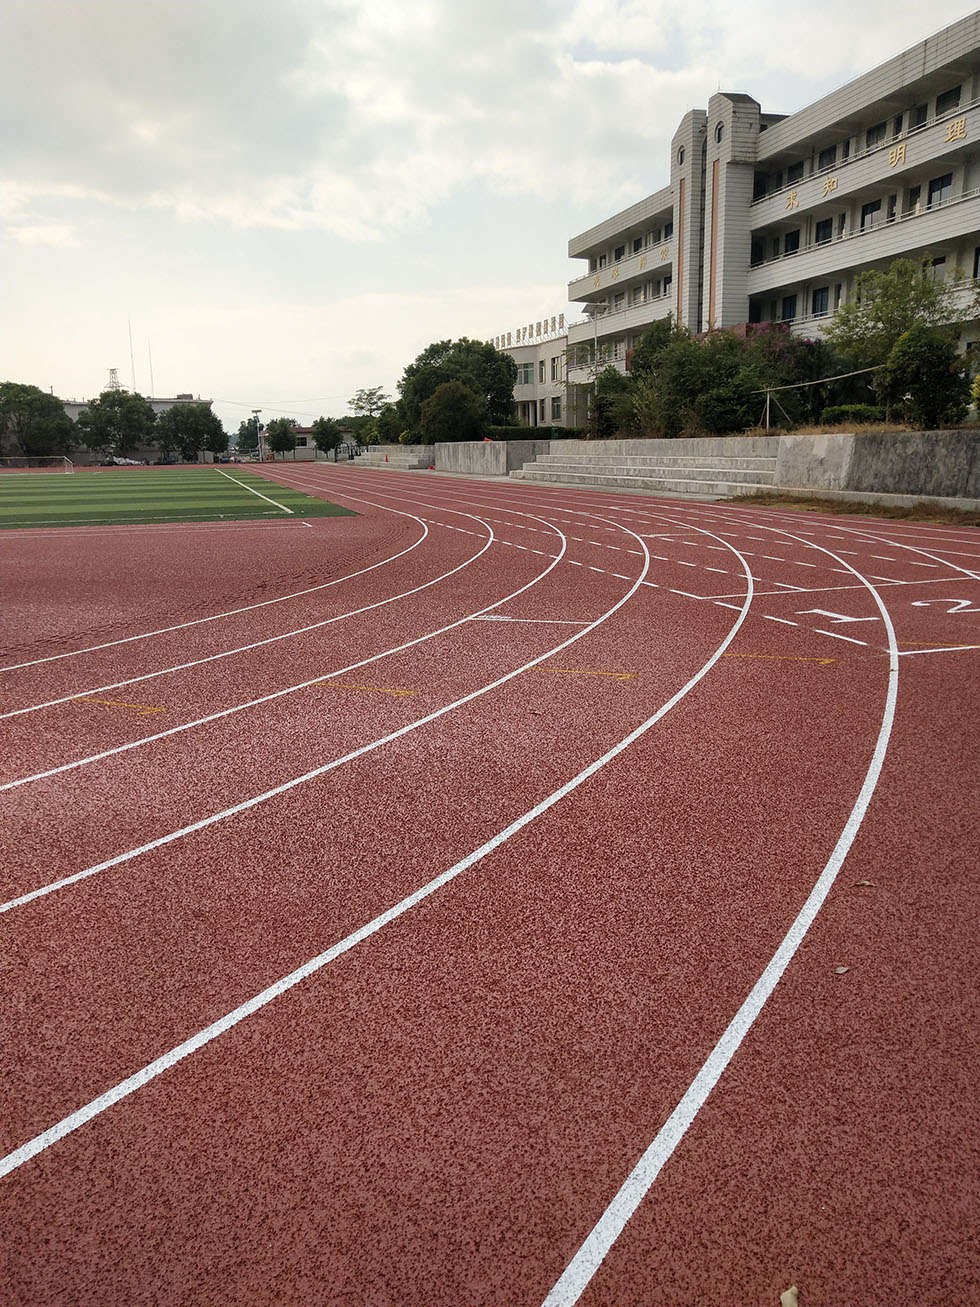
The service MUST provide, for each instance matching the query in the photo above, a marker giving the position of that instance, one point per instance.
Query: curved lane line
(577, 1275)
(232, 612)
(166, 1061)
(272, 639)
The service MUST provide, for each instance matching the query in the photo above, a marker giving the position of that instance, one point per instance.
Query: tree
(280, 435)
(327, 434)
(453, 412)
(33, 421)
(248, 435)
(217, 442)
(370, 402)
(187, 429)
(388, 425)
(117, 422)
(924, 374)
(486, 371)
(615, 410)
(886, 305)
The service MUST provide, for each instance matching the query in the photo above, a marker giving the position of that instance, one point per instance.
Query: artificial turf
(119, 496)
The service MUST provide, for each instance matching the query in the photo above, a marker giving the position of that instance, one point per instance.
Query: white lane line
(251, 489)
(913, 563)
(836, 635)
(583, 1266)
(785, 620)
(720, 603)
(536, 621)
(952, 648)
(233, 612)
(164, 1063)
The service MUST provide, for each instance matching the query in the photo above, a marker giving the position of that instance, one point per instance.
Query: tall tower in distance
(114, 379)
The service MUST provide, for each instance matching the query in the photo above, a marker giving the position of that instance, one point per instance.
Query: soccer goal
(48, 463)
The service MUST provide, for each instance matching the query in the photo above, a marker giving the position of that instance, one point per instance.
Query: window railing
(961, 283)
(888, 144)
(878, 225)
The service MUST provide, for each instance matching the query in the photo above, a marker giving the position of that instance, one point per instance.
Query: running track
(451, 905)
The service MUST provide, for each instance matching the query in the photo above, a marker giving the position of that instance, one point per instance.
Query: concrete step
(759, 463)
(631, 468)
(716, 489)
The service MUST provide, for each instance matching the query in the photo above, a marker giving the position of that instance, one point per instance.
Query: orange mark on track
(585, 671)
(141, 708)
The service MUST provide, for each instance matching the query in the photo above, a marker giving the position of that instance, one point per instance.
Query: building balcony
(964, 301)
(651, 262)
(626, 319)
(944, 221)
(652, 210)
(899, 159)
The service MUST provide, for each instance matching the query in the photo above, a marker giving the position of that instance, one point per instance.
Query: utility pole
(258, 432)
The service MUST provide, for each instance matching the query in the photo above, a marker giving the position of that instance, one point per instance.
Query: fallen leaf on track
(864, 882)
(841, 971)
(789, 1297)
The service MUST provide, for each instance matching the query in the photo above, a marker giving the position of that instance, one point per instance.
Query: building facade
(770, 218)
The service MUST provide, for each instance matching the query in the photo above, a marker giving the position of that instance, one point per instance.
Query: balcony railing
(876, 226)
(888, 144)
(966, 289)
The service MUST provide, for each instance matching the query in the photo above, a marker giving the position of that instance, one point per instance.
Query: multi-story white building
(769, 218)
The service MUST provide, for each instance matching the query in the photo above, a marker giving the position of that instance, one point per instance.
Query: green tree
(369, 402)
(388, 425)
(925, 376)
(32, 422)
(186, 429)
(280, 435)
(248, 436)
(327, 434)
(615, 411)
(484, 370)
(886, 305)
(217, 441)
(652, 343)
(117, 423)
(452, 412)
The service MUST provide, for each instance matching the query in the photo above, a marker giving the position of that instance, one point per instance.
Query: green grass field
(117, 496)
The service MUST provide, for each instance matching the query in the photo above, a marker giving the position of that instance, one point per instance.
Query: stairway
(708, 475)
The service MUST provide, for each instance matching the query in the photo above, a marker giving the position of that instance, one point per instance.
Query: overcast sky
(291, 198)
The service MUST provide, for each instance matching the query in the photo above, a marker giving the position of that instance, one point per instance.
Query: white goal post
(26, 463)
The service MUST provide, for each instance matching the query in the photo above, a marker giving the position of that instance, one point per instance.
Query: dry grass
(924, 511)
(851, 428)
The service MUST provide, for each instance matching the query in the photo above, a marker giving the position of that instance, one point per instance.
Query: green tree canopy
(248, 435)
(388, 425)
(925, 376)
(327, 434)
(452, 412)
(886, 305)
(186, 429)
(369, 402)
(484, 370)
(32, 422)
(616, 409)
(280, 435)
(117, 422)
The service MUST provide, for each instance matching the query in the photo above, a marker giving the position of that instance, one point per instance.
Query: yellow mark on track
(934, 644)
(141, 708)
(783, 658)
(377, 689)
(585, 671)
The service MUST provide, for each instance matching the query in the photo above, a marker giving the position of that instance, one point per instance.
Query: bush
(925, 377)
(840, 413)
(453, 412)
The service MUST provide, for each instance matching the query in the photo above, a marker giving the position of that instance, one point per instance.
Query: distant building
(74, 406)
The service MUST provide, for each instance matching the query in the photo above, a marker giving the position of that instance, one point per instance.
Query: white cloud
(52, 234)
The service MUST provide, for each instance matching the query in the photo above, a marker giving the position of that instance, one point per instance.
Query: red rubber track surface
(443, 1113)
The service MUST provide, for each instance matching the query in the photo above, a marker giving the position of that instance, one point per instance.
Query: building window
(827, 158)
(794, 173)
(618, 301)
(541, 410)
(300, 442)
(976, 263)
(556, 408)
(755, 311)
(775, 181)
(637, 294)
(637, 244)
(680, 155)
(918, 116)
(525, 374)
(654, 237)
(869, 214)
(758, 252)
(668, 282)
(890, 208)
(837, 294)
(668, 229)
(897, 124)
(541, 369)
(618, 252)
(789, 308)
(845, 149)
(913, 197)
(824, 231)
(939, 268)
(602, 260)
(791, 241)
(874, 135)
(719, 132)
(841, 224)
(947, 101)
(556, 368)
(760, 185)
(821, 301)
(940, 189)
